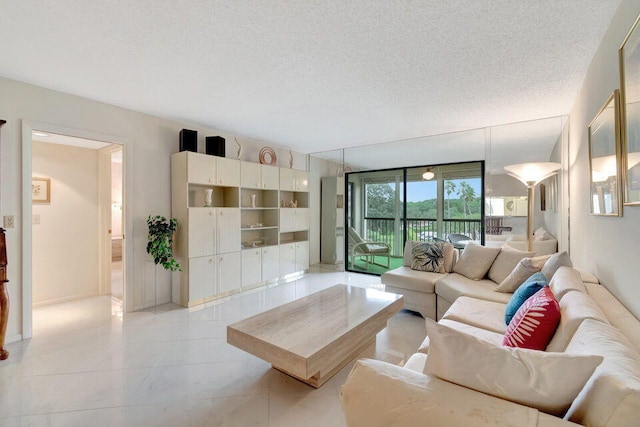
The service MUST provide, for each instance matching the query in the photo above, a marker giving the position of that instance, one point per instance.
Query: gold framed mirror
(629, 55)
(605, 159)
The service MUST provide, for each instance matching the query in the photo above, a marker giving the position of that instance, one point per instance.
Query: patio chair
(359, 247)
(457, 240)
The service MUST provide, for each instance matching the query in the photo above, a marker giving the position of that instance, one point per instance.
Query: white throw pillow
(541, 234)
(546, 381)
(525, 268)
(505, 262)
(475, 261)
(554, 263)
(566, 279)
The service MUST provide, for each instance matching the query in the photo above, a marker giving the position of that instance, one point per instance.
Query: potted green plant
(160, 245)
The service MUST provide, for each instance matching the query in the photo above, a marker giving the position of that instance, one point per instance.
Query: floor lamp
(531, 174)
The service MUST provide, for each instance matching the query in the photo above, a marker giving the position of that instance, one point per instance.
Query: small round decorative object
(268, 156)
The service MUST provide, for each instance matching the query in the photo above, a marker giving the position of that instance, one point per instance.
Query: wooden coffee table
(312, 338)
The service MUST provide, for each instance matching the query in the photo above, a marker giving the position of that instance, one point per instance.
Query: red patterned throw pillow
(535, 322)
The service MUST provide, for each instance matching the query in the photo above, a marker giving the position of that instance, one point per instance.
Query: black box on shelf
(215, 146)
(189, 140)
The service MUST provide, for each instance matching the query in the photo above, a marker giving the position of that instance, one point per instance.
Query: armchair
(359, 247)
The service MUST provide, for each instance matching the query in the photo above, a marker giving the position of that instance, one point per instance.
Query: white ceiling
(312, 75)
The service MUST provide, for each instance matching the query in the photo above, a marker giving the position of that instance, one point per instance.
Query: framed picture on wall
(629, 55)
(41, 190)
(604, 159)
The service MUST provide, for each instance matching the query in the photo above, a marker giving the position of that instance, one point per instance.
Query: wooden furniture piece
(4, 293)
(241, 225)
(312, 338)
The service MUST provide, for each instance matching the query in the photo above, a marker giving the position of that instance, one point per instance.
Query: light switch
(36, 219)
(8, 221)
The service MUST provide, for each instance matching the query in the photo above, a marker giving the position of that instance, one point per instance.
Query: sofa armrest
(381, 394)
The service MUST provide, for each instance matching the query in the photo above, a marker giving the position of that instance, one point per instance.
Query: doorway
(77, 230)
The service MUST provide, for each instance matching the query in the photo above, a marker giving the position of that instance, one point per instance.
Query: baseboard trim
(64, 299)
(13, 338)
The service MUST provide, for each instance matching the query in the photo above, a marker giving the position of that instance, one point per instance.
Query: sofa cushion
(575, 307)
(532, 285)
(505, 262)
(612, 396)
(535, 322)
(482, 334)
(453, 285)
(546, 381)
(379, 394)
(475, 261)
(488, 315)
(406, 278)
(428, 256)
(616, 313)
(450, 255)
(554, 263)
(522, 271)
(416, 362)
(566, 279)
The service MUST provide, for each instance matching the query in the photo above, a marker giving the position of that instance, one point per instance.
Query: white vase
(208, 192)
(253, 200)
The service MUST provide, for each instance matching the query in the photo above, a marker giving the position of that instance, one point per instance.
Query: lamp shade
(532, 173)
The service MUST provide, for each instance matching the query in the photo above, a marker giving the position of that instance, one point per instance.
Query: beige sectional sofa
(593, 324)
(431, 294)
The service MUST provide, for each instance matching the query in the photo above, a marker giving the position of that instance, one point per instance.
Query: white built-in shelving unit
(255, 232)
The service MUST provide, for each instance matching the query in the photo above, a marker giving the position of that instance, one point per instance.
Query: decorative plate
(268, 156)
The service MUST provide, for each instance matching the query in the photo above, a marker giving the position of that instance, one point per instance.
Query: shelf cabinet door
(251, 268)
(228, 172)
(287, 179)
(270, 177)
(201, 232)
(287, 219)
(228, 268)
(287, 259)
(301, 219)
(228, 230)
(339, 257)
(201, 169)
(250, 175)
(301, 181)
(270, 263)
(202, 278)
(302, 256)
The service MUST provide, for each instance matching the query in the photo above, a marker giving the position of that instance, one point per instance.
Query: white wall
(149, 143)
(605, 246)
(65, 243)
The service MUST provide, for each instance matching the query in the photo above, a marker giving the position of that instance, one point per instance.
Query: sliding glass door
(387, 207)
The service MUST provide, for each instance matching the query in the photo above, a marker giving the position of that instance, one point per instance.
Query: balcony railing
(383, 230)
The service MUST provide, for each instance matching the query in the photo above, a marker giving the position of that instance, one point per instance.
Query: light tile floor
(88, 365)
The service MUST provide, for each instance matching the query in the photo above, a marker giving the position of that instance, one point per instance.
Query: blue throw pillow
(530, 286)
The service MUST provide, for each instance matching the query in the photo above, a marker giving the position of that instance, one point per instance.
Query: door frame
(105, 217)
(27, 229)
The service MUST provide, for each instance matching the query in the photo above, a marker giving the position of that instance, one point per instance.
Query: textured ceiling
(312, 75)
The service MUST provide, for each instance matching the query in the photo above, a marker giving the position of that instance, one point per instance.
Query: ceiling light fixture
(38, 133)
(428, 174)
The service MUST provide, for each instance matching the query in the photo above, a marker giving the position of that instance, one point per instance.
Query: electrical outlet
(9, 221)
(36, 219)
